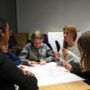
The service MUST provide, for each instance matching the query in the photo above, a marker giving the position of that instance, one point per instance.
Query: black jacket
(11, 75)
(76, 69)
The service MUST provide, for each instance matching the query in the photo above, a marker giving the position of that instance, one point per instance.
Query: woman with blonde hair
(69, 46)
(84, 66)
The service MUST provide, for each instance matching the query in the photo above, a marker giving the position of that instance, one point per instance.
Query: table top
(50, 74)
(52, 77)
(77, 85)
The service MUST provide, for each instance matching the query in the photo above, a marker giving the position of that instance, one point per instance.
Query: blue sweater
(13, 57)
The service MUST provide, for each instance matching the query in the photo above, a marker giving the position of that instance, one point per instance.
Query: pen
(70, 60)
(67, 62)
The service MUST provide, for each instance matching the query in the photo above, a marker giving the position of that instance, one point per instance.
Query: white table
(52, 74)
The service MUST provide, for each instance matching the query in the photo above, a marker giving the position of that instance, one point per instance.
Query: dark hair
(84, 48)
(73, 31)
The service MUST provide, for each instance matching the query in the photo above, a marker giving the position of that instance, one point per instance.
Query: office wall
(52, 15)
(8, 11)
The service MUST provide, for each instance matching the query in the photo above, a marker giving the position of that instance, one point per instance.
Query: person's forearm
(23, 59)
(50, 59)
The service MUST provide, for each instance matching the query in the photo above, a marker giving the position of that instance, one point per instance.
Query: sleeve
(11, 73)
(24, 53)
(70, 57)
(14, 58)
(75, 62)
(49, 55)
(75, 57)
(76, 68)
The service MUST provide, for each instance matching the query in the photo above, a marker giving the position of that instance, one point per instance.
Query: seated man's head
(37, 39)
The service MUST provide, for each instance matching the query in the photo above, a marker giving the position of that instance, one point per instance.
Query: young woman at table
(84, 48)
(36, 52)
(69, 46)
(9, 73)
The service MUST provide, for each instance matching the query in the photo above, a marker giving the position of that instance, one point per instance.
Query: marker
(70, 60)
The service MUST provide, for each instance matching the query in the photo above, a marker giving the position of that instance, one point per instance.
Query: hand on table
(42, 62)
(32, 62)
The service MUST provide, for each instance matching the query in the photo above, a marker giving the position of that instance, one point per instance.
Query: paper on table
(52, 74)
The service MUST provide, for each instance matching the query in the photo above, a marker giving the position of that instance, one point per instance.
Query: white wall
(52, 15)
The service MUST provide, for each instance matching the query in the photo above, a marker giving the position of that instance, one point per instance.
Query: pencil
(70, 60)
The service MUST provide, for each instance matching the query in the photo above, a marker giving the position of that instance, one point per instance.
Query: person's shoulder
(11, 53)
(28, 45)
(74, 48)
(44, 45)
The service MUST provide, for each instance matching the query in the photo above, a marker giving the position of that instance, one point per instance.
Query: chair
(21, 39)
(45, 40)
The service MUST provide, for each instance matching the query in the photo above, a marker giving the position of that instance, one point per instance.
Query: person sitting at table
(69, 46)
(10, 75)
(83, 68)
(36, 51)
